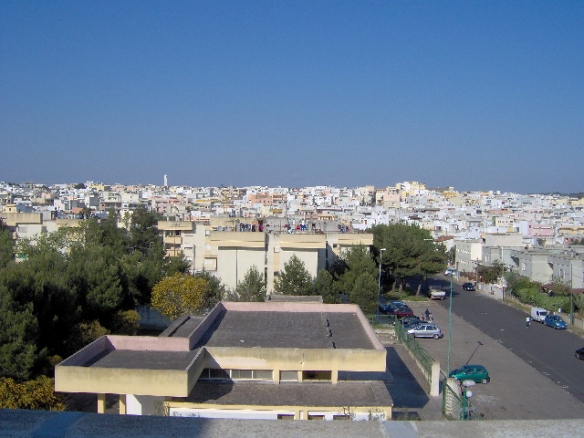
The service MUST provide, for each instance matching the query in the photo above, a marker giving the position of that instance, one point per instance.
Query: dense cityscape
(251, 244)
(294, 219)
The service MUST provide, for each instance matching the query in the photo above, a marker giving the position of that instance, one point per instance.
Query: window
(288, 376)
(285, 417)
(241, 374)
(262, 375)
(218, 374)
(316, 376)
(229, 374)
(210, 264)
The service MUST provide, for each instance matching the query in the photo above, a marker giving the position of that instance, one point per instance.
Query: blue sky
(479, 95)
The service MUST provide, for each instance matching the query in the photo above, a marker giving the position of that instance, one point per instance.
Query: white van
(538, 314)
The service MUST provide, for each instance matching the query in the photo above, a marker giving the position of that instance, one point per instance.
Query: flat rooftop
(360, 393)
(280, 329)
(144, 359)
(170, 364)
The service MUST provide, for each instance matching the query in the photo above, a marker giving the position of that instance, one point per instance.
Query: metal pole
(449, 328)
(571, 297)
(379, 279)
(571, 306)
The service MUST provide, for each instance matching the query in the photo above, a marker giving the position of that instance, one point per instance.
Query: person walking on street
(527, 321)
(427, 313)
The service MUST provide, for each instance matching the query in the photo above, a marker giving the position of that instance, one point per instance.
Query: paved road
(549, 351)
(517, 391)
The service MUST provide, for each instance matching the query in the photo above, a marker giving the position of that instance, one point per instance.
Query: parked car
(450, 271)
(400, 312)
(383, 308)
(477, 373)
(397, 303)
(468, 286)
(580, 354)
(556, 322)
(436, 293)
(538, 314)
(426, 330)
(410, 321)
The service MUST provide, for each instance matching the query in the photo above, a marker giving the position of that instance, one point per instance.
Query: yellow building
(273, 360)
(229, 255)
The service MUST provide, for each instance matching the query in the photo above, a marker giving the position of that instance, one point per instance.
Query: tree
(38, 394)
(18, 338)
(126, 322)
(179, 295)
(56, 242)
(214, 292)
(84, 333)
(365, 293)
(143, 230)
(491, 274)
(294, 279)
(6, 248)
(410, 251)
(40, 285)
(97, 277)
(252, 287)
(359, 280)
(560, 287)
(324, 286)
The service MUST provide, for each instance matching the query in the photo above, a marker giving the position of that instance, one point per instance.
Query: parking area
(516, 391)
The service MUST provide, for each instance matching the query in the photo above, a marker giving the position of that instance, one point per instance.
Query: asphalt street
(549, 351)
(517, 391)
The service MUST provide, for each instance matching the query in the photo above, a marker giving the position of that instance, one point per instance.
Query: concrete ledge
(74, 424)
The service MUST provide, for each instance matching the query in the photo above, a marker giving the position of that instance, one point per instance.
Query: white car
(449, 271)
(426, 330)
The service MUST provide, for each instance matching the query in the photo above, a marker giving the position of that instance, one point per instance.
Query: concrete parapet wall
(148, 343)
(122, 381)
(82, 356)
(296, 359)
(205, 324)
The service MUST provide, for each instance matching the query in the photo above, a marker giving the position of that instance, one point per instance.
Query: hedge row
(529, 293)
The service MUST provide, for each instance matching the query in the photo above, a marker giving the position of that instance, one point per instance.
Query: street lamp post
(571, 306)
(571, 297)
(449, 328)
(379, 279)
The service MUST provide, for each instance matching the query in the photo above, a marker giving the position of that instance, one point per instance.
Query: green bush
(528, 292)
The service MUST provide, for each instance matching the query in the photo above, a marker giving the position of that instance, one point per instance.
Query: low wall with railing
(429, 367)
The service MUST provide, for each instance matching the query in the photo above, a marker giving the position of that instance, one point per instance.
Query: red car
(400, 312)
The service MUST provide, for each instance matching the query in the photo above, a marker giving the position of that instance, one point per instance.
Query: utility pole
(379, 279)
(449, 328)
(477, 272)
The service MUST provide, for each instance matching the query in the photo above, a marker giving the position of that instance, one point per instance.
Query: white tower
(165, 181)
